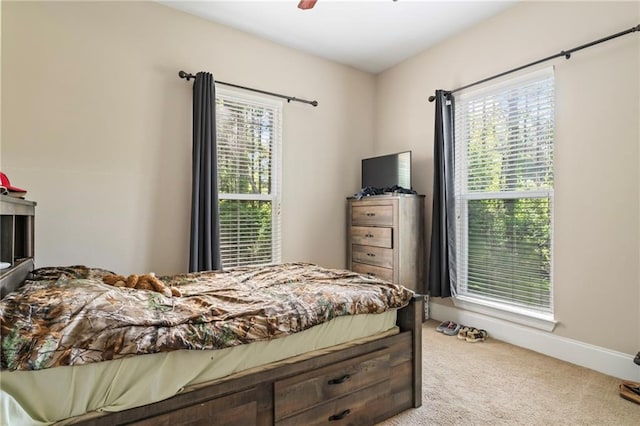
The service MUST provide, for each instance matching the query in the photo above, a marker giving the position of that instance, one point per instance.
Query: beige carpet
(495, 383)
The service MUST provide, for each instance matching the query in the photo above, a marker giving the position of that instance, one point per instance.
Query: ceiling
(370, 35)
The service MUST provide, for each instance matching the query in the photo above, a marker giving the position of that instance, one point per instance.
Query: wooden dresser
(385, 238)
(16, 241)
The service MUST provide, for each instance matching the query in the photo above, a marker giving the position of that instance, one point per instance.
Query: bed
(75, 350)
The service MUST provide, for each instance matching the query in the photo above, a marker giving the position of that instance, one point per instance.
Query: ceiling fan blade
(306, 4)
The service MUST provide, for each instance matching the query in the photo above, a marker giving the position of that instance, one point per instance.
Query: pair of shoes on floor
(449, 328)
(472, 334)
(630, 391)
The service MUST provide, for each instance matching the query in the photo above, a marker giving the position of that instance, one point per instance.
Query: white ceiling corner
(370, 35)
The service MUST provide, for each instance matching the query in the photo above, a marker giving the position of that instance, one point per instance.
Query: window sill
(513, 314)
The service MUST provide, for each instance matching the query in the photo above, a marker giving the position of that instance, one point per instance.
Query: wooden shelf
(17, 217)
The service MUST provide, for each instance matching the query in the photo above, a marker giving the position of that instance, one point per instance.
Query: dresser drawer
(297, 394)
(374, 271)
(377, 256)
(376, 215)
(372, 236)
(365, 405)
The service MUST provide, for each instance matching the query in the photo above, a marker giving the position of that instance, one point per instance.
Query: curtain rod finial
(432, 98)
(183, 74)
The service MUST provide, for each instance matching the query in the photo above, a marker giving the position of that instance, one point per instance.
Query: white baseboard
(612, 363)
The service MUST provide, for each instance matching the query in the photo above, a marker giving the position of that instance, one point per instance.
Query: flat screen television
(387, 171)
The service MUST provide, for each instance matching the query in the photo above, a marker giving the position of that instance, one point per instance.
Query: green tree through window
(504, 192)
(248, 140)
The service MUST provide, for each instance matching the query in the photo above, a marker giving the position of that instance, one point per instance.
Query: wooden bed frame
(363, 384)
(359, 384)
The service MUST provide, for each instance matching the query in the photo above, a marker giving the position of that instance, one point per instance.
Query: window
(248, 138)
(504, 195)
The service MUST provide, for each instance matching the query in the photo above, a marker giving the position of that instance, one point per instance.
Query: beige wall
(96, 124)
(597, 184)
(97, 127)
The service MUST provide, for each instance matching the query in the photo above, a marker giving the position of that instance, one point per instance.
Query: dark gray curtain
(442, 261)
(204, 253)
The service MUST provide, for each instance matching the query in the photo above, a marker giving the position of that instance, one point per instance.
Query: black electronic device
(387, 171)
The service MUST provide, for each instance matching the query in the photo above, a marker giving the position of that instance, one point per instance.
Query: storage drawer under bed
(240, 408)
(363, 407)
(308, 396)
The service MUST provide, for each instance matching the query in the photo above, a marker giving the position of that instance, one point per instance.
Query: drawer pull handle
(368, 235)
(370, 214)
(340, 416)
(371, 254)
(339, 380)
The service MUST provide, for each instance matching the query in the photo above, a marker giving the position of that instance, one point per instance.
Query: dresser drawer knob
(368, 235)
(371, 254)
(339, 380)
(371, 274)
(370, 214)
(340, 416)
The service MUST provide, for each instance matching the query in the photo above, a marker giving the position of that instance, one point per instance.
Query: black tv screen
(387, 171)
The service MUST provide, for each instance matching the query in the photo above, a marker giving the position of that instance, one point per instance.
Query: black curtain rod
(565, 53)
(188, 76)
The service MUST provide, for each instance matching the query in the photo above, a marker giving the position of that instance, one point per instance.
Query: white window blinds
(504, 192)
(248, 139)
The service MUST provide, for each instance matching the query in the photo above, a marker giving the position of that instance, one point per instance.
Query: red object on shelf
(4, 181)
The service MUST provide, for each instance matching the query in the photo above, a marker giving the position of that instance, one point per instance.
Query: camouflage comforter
(68, 316)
